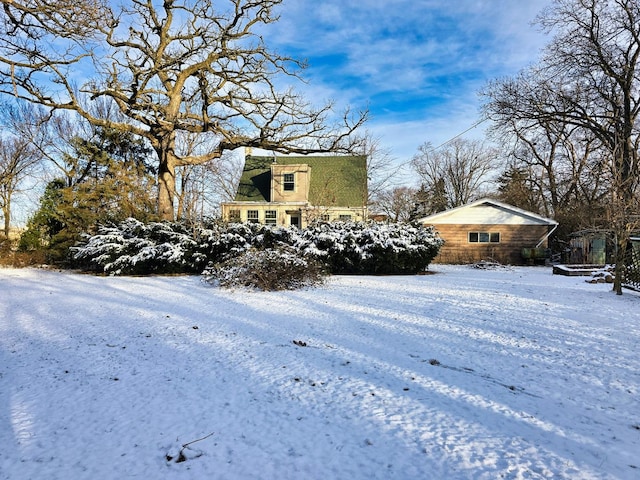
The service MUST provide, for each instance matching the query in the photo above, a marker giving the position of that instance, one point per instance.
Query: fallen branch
(181, 457)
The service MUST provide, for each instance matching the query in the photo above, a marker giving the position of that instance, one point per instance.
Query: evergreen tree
(421, 204)
(106, 180)
(439, 200)
(515, 188)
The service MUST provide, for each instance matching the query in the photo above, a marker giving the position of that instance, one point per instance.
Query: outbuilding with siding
(489, 229)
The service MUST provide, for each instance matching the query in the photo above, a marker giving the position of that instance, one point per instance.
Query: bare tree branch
(588, 78)
(176, 66)
(460, 168)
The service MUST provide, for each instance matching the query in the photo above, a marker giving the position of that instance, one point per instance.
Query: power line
(461, 133)
(479, 122)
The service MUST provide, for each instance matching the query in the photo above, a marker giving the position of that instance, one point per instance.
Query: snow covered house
(489, 229)
(296, 190)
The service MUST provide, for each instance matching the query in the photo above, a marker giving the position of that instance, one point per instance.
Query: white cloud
(416, 65)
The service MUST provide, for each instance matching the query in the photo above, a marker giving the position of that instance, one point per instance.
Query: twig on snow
(181, 457)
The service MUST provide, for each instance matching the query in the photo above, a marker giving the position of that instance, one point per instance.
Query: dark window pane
(288, 182)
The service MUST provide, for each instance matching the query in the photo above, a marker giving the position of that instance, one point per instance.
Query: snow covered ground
(512, 373)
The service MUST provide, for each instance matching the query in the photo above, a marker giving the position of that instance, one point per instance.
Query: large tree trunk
(166, 177)
(620, 259)
(625, 164)
(166, 190)
(622, 227)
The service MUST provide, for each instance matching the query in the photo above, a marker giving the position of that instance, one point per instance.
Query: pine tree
(515, 188)
(106, 180)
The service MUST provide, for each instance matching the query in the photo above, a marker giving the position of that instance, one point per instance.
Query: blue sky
(417, 65)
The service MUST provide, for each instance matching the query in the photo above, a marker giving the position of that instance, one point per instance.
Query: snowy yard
(466, 373)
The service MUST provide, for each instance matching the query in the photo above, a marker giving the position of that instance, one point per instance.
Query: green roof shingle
(335, 180)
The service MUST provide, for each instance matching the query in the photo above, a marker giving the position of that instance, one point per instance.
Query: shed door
(598, 251)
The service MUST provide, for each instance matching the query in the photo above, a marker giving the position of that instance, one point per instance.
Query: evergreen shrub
(135, 248)
(372, 248)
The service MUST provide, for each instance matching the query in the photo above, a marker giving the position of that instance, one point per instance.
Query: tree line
(138, 105)
(566, 127)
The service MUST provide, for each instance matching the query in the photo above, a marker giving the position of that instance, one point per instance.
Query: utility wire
(407, 162)
(461, 133)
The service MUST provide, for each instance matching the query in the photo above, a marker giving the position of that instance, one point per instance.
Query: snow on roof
(487, 211)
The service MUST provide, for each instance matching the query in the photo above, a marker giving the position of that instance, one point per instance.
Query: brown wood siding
(513, 238)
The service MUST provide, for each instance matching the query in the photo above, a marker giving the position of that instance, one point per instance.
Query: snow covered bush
(268, 269)
(220, 241)
(371, 248)
(345, 247)
(136, 248)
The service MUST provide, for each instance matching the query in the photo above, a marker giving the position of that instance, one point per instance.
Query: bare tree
(224, 175)
(203, 187)
(21, 153)
(562, 162)
(381, 170)
(460, 169)
(589, 78)
(195, 66)
(51, 135)
(18, 159)
(396, 203)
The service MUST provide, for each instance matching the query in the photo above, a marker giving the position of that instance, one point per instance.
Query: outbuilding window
(484, 237)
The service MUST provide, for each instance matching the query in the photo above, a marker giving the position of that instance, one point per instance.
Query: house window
(288, 182)
(252, 216)
(234, 216)
(345, 218)
(324, 217)
(270, 217)
(484, 237)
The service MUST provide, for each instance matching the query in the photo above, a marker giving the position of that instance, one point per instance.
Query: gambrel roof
(335, 180)
(486, 211)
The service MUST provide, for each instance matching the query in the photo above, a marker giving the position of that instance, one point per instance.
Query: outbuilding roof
(487, 211)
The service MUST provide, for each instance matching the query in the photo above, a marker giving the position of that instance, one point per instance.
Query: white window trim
(268, 220)
(255, 219)
(291, 182)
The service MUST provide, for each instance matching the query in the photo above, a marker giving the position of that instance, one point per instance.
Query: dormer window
(288, 182)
